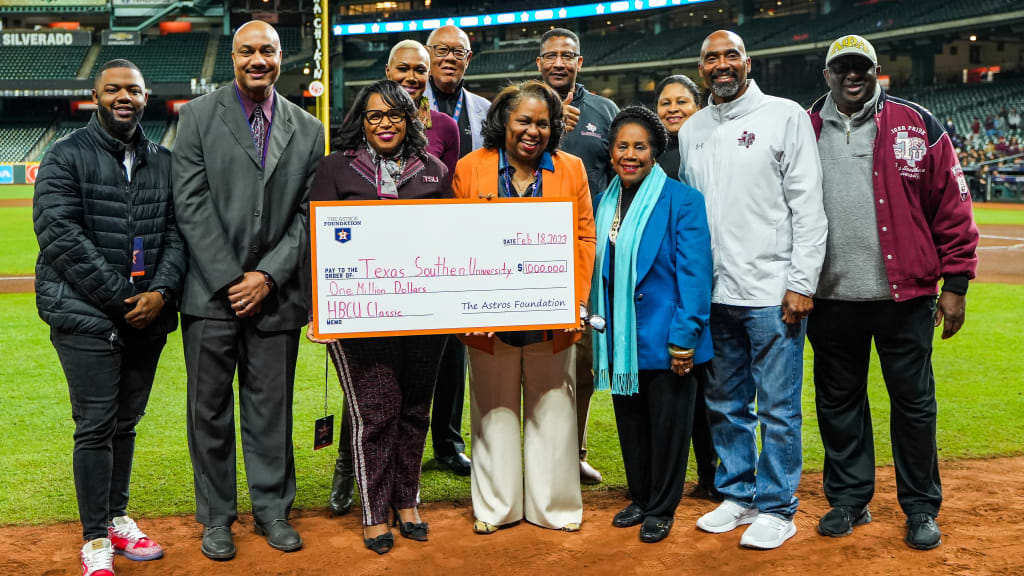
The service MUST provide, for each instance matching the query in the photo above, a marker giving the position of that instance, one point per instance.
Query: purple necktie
(259, 128)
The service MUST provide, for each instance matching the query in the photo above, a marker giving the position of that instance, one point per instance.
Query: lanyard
(270, 125)
(458, 107)
(532, 190)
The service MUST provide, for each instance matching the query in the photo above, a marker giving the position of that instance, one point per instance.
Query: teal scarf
(625, 379)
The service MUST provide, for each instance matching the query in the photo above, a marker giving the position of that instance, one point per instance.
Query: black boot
(340, 501)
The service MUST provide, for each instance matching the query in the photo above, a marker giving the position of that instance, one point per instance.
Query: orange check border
(313, 206)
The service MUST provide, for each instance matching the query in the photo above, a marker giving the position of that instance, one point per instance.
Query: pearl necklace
(613, 234)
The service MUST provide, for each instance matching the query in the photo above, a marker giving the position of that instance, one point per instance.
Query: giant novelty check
(443, 266)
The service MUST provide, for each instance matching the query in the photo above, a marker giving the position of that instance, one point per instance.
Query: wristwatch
(163, 294)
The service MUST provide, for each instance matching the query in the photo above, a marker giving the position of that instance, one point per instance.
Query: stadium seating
(957, 9)
(16, 140)
(964, 103)
(499, 61)
(373, 71)
(41, 62)
(223, 69)
(154, 129)
(170, 58)
(670, 44)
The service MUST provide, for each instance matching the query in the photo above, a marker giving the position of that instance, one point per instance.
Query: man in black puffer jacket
(110, 265)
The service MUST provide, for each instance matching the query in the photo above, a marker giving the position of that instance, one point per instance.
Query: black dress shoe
(280, 535)
(840, 520)
(629, 516)
(411, 530)
(380, 544)
(655, 529)
(217, 543)
(922, 532)
(458, 463)
(340, 501)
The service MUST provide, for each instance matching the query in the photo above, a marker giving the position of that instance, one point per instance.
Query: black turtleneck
(446, 103)
(669, 159)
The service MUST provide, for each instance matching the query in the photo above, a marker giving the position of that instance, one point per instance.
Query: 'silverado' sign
(57, 38)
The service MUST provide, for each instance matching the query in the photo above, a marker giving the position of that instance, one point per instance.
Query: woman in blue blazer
(652, 282)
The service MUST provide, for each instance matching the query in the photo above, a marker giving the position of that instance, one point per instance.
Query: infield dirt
(982, 521)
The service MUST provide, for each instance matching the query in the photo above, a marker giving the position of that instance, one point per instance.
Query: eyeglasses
(845, 66)
(440, 50)
(375, 117)
(552, 56)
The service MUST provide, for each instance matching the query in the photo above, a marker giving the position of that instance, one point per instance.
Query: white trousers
(549, 493)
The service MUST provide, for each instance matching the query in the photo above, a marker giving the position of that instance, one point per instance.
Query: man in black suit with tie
(244, 160)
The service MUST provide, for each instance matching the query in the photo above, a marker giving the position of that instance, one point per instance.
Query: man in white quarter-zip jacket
(755, 159)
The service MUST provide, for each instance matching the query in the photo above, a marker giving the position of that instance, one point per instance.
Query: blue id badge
(138, 263)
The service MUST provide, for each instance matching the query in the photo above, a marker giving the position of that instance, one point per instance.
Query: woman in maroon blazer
(409, 65)
(388, 382)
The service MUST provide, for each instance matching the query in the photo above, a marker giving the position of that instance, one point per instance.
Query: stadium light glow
(498, 19)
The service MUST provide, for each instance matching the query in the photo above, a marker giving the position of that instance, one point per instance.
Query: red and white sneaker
(98, 558)
(130, 542)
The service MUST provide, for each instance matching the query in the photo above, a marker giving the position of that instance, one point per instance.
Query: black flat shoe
(411, 530)
(655, 529)
(629, 516)
(922, 532)
(380, 544)
(839, 521)
(280, 535)
(218, 543)
(458, 463)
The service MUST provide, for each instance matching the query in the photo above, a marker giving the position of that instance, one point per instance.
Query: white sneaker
(768, 532)
(98, 558)
(726, 517)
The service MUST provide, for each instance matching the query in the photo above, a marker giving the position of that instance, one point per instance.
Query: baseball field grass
(978, 384)
(18, 246)
(16, 191)
(984, 215)
(979, 392)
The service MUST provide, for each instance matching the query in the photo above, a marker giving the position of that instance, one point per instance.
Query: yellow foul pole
(320, 87)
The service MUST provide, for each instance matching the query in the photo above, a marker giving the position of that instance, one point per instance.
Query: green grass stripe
(997, 217)
(18, 247)
(16, 191)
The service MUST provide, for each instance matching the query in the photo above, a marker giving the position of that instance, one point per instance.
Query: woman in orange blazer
(520, 158)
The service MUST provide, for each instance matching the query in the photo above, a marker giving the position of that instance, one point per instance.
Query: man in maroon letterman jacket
(900, 218)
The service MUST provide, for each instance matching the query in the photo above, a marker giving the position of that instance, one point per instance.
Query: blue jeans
(757, 357)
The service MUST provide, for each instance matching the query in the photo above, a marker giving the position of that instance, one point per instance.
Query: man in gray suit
(244, 160)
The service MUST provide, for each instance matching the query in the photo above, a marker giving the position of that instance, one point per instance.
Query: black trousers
(841, 333)
(266, 378)
(703, 448)
(109, 380)
(387, 383)
(446, 413)
(449, 396)
(654, 434)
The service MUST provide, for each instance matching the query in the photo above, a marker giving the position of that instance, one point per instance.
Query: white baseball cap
(851, 44)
